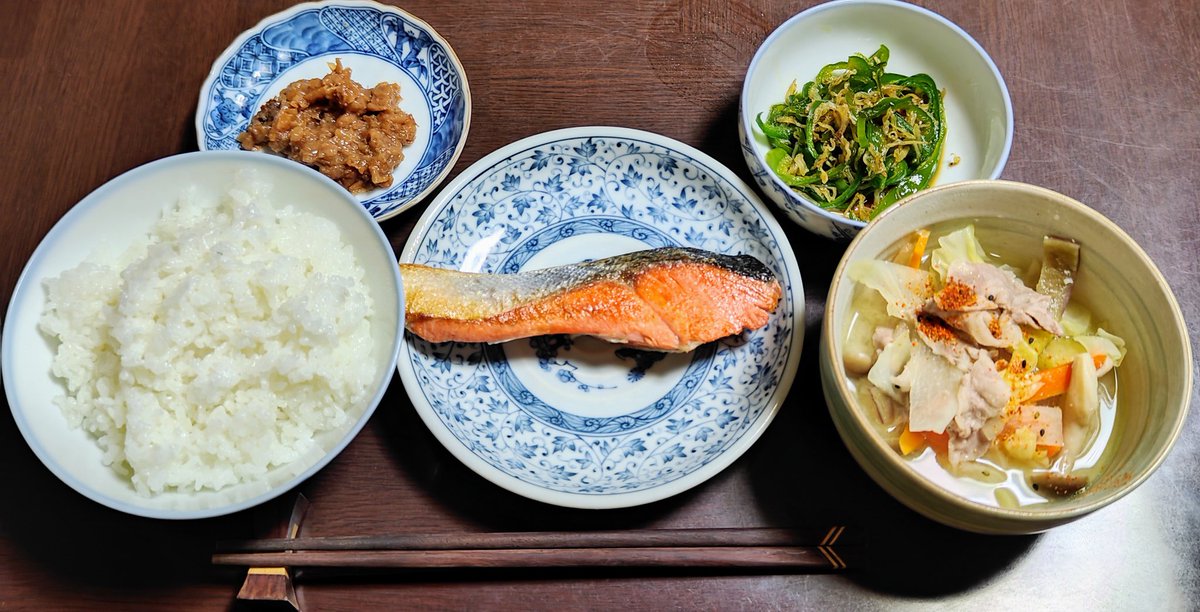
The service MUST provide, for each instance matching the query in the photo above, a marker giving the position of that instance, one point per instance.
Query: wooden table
(1105, 100)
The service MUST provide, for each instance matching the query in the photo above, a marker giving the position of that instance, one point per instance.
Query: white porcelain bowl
(110, 219)
(979, 115)
(1117, 280)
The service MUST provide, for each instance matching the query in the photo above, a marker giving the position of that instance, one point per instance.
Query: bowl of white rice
(201, 334)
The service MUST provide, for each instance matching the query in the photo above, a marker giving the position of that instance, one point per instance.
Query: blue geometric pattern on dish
(344, 28)
(593, 195)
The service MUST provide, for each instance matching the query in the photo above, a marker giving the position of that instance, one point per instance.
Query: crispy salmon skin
(668, 299)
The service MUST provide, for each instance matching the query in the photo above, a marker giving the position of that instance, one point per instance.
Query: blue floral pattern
(828, 225)
(562, 190)
(317, 32)
(547, 349)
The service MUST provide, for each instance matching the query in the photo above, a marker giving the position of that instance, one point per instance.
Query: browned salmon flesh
(667, 299)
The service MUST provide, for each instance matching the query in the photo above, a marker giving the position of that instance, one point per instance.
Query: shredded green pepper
(857, 139)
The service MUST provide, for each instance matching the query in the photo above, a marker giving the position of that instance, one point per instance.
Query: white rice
(217, 348)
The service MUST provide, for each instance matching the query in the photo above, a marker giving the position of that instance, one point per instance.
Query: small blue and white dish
(580, 422)
(377, 43)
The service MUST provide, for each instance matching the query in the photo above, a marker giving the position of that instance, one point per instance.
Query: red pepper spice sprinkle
(956, 296)
(934, 328)
(994, 326)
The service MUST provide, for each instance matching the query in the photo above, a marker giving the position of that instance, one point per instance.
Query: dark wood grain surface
(1104, 94)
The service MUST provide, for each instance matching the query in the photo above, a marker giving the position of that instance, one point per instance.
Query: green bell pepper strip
(908, 127)
(870, 138)
(778, 159)
(887, 104)
(864, 74)
(839, 203)
(810, 121)
(880, 56)
(869, 69)
(923, 84)
(867, 133)
(899, 170)
(772, 131)
(827, 72)
(921, 177)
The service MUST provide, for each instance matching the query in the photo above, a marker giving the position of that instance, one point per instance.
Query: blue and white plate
(378, 43)
(577, 421)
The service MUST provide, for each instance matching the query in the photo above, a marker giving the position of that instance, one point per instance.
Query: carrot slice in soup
(1054, 381)
(939, 442)
(918, 251)
(910, 441)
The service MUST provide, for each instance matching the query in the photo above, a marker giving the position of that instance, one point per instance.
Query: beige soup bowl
(1117, 280)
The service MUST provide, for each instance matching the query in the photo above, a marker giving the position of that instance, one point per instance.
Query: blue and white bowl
(580, 422)
(378, 43)
(979, 115)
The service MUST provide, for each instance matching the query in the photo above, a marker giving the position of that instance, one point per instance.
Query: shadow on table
(471, 498)
(802, 473)
(87, 546)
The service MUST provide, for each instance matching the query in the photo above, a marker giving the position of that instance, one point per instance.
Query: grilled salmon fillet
(669, 299)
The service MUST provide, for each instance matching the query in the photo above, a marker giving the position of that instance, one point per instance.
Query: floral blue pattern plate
(580, 422)
(377, 43)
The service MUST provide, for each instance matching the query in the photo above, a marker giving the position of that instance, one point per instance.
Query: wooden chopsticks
(824, 550)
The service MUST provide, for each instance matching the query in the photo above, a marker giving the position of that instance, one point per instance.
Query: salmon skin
(668, 299)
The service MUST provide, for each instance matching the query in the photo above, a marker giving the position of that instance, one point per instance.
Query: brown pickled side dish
(354, 135)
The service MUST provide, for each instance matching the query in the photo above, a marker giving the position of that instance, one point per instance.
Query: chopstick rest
(274, 583)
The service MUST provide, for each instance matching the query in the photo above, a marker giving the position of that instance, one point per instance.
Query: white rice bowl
(196, 339)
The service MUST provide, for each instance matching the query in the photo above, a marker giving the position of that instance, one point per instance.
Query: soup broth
(994, 477)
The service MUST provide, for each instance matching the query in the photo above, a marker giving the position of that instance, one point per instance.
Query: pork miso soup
(974, 361)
